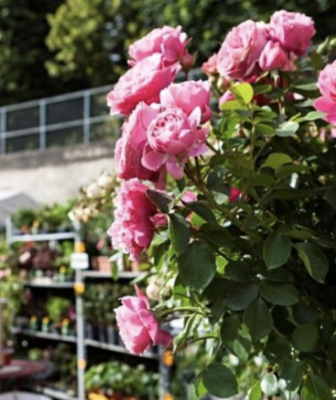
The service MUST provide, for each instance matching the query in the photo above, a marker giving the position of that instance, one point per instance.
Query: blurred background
(76, 50)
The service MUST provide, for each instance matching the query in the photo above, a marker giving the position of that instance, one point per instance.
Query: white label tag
(79, 261)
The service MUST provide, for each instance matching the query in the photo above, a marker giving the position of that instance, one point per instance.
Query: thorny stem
(195, 310)
(226, 212)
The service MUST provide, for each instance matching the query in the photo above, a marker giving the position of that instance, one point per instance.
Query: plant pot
(7, 355)
(104, 264)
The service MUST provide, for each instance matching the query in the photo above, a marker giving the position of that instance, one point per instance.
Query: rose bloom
(293, 30)
(129, 147)
(210, 67)
(132, 229)
(187, 96)
(227, 96)
(327, 81)
(168, 41)
(327, 86)
(234, 194)
(143, 82)
(138, 327)
(173, 136)
(273, 57)
(239, 54)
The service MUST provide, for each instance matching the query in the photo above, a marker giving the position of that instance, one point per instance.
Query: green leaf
(279, 294)
(277, 352)
(179, 232)
(265, 129)
(305, 336)
(276, 250)
(279, 275)
(308, 87)
(296, 234)
(240, 346)
(292, 373)
(258, 319)
(202, 209)
(287, 128)
(241, 295)
(239, 271)
(287, 170)
(264, 180)
(229, 328)
(255, 392)
(312, 116)
(163, 202)
(232, 105)
(304, 313)
(315, 388)
(276, 160)
(314, 260)
(269, 384)
(244, 91)
(197, 265)
(260, 88)
(219, 380)
(216, 183)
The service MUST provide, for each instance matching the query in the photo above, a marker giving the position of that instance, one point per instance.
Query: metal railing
(79, 117)
(73, 118)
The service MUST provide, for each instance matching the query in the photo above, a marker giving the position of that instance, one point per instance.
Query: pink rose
(138, 327)
(327, 106)
(129, 147)
(168, 41)
(327, 86)
(293, 30)
(187, 96)
(132, 229)
(227, 96)
(234, 194)
(173, 136)
(210, 67)
(327, 82)
(273, 57)
(189, 196)
(239, 54)
(143, 82)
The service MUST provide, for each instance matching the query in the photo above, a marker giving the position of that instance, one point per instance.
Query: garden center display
(228, 186)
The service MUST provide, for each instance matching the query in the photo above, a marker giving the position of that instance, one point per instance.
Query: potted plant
(57, 309)
(24, 219)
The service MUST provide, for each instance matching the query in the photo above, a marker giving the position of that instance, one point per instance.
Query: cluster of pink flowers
(162, 130)
(138, 327)
(327, 86)
(133, 227)
(253, 47)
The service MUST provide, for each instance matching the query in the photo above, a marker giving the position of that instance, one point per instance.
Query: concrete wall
(55, 174)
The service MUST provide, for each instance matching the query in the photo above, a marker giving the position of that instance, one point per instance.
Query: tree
(23, 28)
(90, 37)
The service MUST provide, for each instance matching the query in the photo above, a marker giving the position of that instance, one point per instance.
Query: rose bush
(249, 196)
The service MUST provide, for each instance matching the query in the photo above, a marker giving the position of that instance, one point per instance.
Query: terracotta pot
(104, 264)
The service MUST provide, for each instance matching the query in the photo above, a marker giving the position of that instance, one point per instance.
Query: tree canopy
(54, 47)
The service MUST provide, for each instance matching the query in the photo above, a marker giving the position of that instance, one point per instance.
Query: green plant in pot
(57, 309)
(11, 290)
(24, 219)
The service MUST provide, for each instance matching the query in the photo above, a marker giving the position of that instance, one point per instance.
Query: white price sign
(79, 261)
